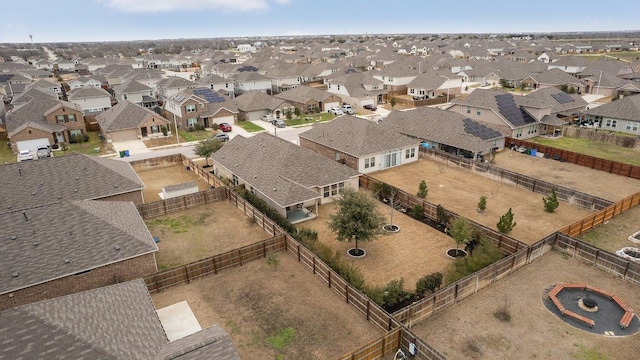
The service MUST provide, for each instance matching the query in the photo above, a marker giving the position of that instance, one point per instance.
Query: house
(553, 108)
(446, 131)
(553, 78)
(253, 105)
(217, 83)
(396, 76)
(133, 91)
(30, 94)
(73, 225)
(431, 85)
(309, 99)
(172, 85)
(44, 122)
(128, 121)
(498, 108)
(357, 89)
(84, 81)
(622, 115)
(113, 322)
(251, 80)
(92, 100)
(291, 179)
(201, 107)
(569, 64)
(360, 144)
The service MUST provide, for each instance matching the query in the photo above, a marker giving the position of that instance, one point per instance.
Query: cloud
(132, 6)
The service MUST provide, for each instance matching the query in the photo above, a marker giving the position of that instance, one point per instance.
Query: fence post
(368, 311)
(186, 272)
(624, 276)
(264, 248)
(314, 265)
(298, 252)
(346, 289)
(329, 278)
(215, 266)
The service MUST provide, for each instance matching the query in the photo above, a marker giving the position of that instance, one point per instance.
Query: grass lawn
(249, 126)
(309, 119)
(6, 155)
(614, 234)
(196, 135)
(594, 148)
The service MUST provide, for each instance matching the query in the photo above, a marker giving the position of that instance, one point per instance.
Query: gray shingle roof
(88, 92)
(130, 86)
(302, 94)
(257, 100)
(627, 108)
(34, 111)
(357, 137)
(126, 115)
(210, 343)
(279, 169)
(513, 115)
(72, 177)
(38, 247)
(548, 98)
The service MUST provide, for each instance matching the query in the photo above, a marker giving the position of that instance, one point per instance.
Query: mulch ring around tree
(606, 318)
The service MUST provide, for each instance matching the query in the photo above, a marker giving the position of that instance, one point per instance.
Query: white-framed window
(60, 118)
(71, 118)
(611, 123)
(412, 91)
(124, 96)
(519, 132)
(632, 125)
(75, 132)
(190, 108)
(325, 192)
(468, 109)
(340, 187)
(369, 162)
(191, 122)
(409, 153)
(478, 111)
(334, 189)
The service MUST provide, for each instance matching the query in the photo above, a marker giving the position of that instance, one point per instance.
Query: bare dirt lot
(614, 235)
(599, 183)
(201, 232)
(470, 330)
(156, 179)
(459, 190)
(263, 307)
(413, 252)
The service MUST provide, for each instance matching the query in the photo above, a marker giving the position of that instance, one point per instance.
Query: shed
(176, 190)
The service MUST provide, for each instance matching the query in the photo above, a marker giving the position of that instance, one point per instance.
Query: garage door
(222, 119)
(329, 105)
(124, 135)
(32, 145)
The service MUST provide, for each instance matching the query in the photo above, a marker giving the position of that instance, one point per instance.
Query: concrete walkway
(178, 321)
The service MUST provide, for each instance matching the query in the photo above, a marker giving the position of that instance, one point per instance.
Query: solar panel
(562, 97)
(511, 111)
(480, 130)
(209, 95)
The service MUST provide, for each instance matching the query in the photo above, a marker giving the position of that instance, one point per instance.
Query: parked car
(347, 109)
(370, 107)
(267, 118)
(225, 127)
(221, 136)
(43, 152)
(336, 111)
(25, 155)
(278, 123)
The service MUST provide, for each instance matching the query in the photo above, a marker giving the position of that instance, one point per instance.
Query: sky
(116, 20)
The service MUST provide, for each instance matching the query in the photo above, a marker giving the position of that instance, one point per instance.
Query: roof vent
(66, 261)
(77, 178)
(9, 206)
(26, 218)
(255, 176)
(115, 186)
(41, 182)
(117, 247)
(59, 196)
(275, 189)
(35, 243)
(13, 237)
(75, 190)
(33, 193)
(15, 274)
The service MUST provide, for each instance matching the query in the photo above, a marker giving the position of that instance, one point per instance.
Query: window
(412, 91)
(75, 132)
(124, 96)
(478, 111)
(71, 118)
(519, 132)
(155, 129)
(60, 118)
(468, 109)
(234, 178)
(334, 189)
(611, 123)
(252, 190)
(192, 122)
(325, 192)
(631, 125)
(226, 85)
(191, 108)
(338, 87)
(369, 162)
(340, 187)
(390, 79)
(409, 153)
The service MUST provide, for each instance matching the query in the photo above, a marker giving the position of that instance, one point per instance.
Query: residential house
(553, 108)
(291, 179)
(172, 85)
(92, 100)
(431, 85)
(569, 64)
(622, 115)
(250, 80)
(118, 321)
(44, 122)
(357, 89)
(396, 76)
(47, 86)
(201, 107)
(286, 76)
(61, 242)
(134, 92)
(217, 83)
(84, 81)
(309, 99)
(554, 78)
(253, 105)
(30, 94)
(446, 131)
(360, 144)
(498, 108)
(129, 121)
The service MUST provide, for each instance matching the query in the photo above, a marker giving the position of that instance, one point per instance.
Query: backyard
(593, 148)
(202, 232)
(274, 308)
(614, 234)
(459, 191)
(470, 330)
(156, 179)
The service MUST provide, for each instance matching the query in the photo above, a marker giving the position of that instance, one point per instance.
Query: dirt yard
(469, 330)
(459, 190)
(156, 179)
(413, 252)
(202, 232)
(271, 311)
(614, 234)
(599, 183)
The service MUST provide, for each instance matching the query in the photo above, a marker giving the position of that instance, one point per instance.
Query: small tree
(429, 284)
(506, 223)
(207, 147)
(551, 202)
(460, 231)
(443, 217)
(482, 203)
(289, 114)
(357, 218)
(423, 189)
(296, 111)
(417, 211)
(392, 102)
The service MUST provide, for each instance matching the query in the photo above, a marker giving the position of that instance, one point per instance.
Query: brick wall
(29, 134)
(103, 276)
(350, 161)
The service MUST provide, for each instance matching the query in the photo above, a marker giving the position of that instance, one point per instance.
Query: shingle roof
(357, 137)
(210, 343)
(88, 92)
(548, 98)
(35, 111)
(126, 115)
(257, 100)
(627, 108)
(279, 169)
(440, 126)
(130, 86)
(500, 102)
(302, 94)
(72, 177)
(38, 247)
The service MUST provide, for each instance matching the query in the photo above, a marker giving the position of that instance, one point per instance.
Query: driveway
(135, 147)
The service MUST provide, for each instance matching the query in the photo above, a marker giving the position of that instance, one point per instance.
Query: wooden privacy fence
(208, 176)
(213, 265)
(592, 162)
(601, 258)
(581, 226)
(408, 201)
(389, 343)
(163, 207)
(568, 195)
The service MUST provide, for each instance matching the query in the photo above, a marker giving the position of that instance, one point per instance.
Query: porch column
(317, 207)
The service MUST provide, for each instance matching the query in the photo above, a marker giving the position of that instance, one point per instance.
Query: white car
(267, 118)
(25, 155)
(336, 111)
